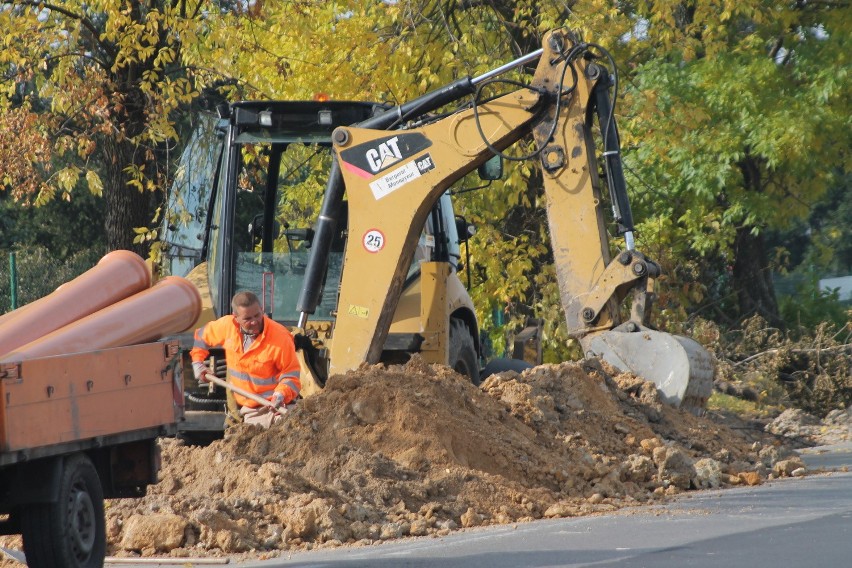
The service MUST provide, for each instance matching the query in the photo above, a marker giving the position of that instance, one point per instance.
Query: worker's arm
(205, 338)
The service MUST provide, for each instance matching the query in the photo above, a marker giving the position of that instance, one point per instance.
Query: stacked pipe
(111, 305)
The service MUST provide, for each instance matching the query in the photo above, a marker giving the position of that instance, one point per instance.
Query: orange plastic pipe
(170, 306)
(116, 276)
(9, 316)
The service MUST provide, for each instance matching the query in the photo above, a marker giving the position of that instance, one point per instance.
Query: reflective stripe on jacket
(269, 364)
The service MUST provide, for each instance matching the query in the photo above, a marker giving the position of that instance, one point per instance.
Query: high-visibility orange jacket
(269, 364)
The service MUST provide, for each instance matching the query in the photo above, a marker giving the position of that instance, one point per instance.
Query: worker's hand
(277, 400)
(200, 370)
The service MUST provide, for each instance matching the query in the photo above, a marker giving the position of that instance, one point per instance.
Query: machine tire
(69, 533)
(502, 365)
(200, 438)
(463, 356)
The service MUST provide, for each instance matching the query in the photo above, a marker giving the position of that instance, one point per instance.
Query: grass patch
(721, 402)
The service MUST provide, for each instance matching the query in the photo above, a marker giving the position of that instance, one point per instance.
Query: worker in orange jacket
(260, 355)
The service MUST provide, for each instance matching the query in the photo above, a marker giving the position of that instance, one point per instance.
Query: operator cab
(252, 230)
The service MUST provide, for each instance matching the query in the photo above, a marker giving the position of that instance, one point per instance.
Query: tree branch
(776, 47)
(795, 351)
(84, 21)
(80, 54)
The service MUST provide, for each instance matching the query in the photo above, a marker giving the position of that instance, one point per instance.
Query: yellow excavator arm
(393, 178)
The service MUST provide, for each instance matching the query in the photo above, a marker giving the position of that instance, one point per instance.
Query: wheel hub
(82, 523)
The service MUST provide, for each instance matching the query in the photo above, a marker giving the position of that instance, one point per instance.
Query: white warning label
(392, 181)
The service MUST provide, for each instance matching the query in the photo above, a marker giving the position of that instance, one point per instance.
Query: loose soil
(415, 450)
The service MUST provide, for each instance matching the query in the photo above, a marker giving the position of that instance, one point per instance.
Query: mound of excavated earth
(385, 453)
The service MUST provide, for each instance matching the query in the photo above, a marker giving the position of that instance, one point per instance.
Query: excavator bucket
(680, 367)
(310, 384)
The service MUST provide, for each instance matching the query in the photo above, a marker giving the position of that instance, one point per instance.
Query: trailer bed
(52, 405)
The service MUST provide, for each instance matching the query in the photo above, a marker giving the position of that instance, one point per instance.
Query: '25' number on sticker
(374, 240)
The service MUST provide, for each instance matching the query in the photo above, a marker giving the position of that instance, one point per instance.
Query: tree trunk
(752, 278)
(126, 205)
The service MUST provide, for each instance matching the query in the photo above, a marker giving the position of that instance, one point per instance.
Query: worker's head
(247, 312)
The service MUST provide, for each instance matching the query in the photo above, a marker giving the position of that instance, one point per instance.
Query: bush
(811, 306)
(39, 273)
(806, 369)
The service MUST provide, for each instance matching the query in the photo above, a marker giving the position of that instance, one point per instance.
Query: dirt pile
(417, 450)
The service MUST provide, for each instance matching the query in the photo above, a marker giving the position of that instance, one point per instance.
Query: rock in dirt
(786, 468)
(708, 474)
(798, 425)
(383, 453)
(794, 422)
(161, 533)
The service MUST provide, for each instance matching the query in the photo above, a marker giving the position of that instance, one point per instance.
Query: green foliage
(728, 403)
(810, 306)
(822, 243)
(63, 227)
(53, 244)
(814, 248)
(304, 172)
(737, 114)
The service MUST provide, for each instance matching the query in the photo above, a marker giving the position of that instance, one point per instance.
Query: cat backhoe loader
(374, 280)
(394, 167)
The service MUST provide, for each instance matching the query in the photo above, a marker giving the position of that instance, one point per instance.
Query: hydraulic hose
(612, 154)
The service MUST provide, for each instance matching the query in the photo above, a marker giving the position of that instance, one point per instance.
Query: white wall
(843, 283)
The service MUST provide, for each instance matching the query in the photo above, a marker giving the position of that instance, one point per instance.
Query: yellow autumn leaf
(96, 186)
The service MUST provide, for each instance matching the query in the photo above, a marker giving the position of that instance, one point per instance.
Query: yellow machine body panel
(387, 210)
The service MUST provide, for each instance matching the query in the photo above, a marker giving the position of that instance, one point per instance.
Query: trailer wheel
(463, 351)
(70, 532)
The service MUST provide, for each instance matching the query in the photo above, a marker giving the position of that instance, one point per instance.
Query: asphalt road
(791, 522)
